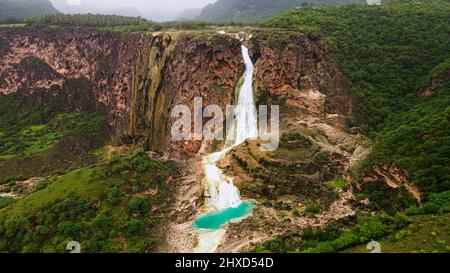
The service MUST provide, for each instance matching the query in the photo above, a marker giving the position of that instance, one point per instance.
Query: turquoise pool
(217, 219)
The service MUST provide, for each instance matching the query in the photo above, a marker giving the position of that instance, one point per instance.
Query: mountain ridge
(258, 10)
(25, 8)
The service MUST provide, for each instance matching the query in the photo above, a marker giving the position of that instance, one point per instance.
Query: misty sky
(172, 5)
(157, 10)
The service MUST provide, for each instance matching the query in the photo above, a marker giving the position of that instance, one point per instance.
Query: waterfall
(223, 194)
(246, 125)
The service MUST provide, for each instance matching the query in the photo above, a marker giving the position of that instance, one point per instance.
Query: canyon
(90, 105)
(135, 80)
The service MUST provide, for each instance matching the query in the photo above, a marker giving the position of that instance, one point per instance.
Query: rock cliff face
(317, 147)
(173, 70)
(290, 68)
(45, 59)
(139, 78)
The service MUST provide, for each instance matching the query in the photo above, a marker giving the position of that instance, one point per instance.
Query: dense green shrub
(6, 201)
(391, 53)
(91, 20)
(28, 130)
(133, 227)
(139, 204)
(313, 208)
(103, 213)
(438, 203)
(41, 184)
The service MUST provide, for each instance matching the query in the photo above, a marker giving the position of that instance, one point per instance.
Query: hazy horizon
(152, 9)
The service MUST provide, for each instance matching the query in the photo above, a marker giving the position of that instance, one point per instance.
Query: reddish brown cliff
(139, 78)
(34, 58)
(290, 68)
(173, 70)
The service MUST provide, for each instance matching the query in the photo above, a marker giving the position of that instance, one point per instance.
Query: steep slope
(292, 70)
(391, 71)
(397, 60)
(257, 10)
(173, 70)
(113, 207)
(25, 8)
(136, 90)
(339, 74)
(102, 59)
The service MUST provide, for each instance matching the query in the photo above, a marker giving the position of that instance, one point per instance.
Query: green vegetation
(384, 198)
(114, 23)
(418, 141)
(6, 201)
(107, 22)
(337, 184)
(257, 10)
(403, 226)
(313, 208)
(105, 208)
(30, 131)
(13, 25)
(43, 134)
(25, 8)
(437, 72)
(438, 203)
(384, 50)
(201, 25)
(425, 234)
(391, 53)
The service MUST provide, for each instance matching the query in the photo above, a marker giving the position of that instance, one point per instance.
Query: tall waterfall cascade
(221, 192)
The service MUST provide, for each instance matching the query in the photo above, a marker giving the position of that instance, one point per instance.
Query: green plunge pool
(217, 219)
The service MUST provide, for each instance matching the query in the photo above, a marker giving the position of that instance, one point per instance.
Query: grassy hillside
(25, 8)
(392, 54)
(425, 234)
(43, 134)
(59, 183)
(422, 229)
(257, 10)
(114, 207)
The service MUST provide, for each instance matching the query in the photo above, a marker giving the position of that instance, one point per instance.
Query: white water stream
(223, 194)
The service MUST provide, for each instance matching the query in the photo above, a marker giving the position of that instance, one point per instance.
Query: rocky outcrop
(45, 59)
(173, 70)
(293, 67)
(394, 178)
(150, 93)
(139, 78)
(297, 72)
(290, 68)
(436, 83)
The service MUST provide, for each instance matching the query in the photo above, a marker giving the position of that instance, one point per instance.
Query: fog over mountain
(155, 10)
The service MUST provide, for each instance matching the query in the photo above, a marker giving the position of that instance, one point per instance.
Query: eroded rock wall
(299, 70)
(45, 59)
(173, 70)
(139, 78)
